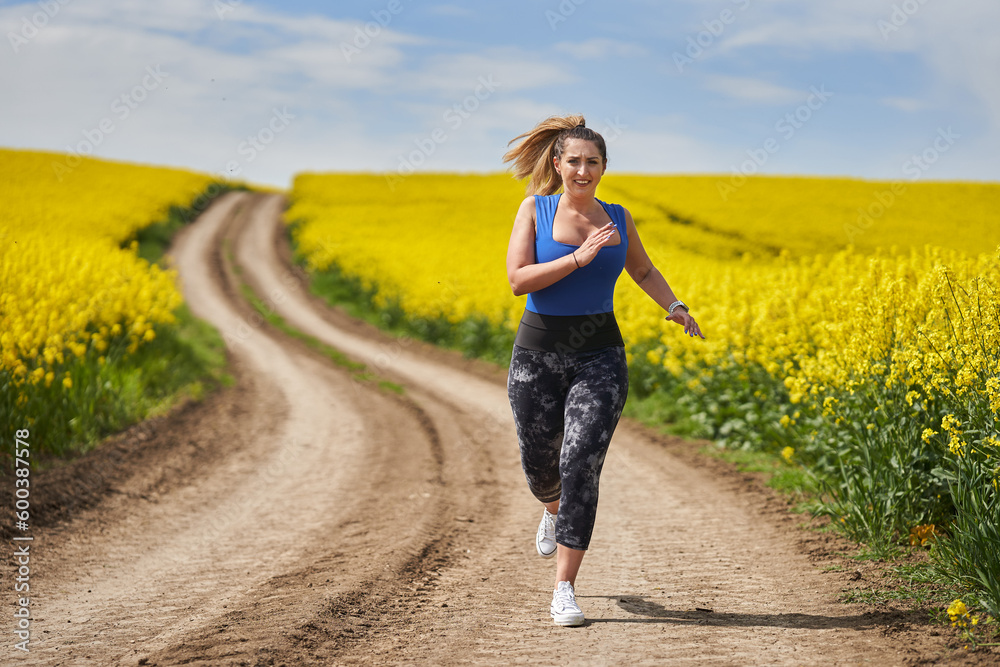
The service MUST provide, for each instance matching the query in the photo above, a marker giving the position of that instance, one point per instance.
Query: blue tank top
(589, 289)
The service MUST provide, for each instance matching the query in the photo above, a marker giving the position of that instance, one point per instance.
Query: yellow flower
(950, 424)
(787, 453)
(922, 535)
(67, 382)
(67, 284)
(928, 434)
(993, 392)
(785, 420)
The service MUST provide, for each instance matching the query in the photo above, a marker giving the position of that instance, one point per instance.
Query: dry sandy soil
(311, 515)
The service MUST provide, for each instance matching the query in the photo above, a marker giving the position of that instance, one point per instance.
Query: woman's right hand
(597, 240)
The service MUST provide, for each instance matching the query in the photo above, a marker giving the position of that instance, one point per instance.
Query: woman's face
(581, 167)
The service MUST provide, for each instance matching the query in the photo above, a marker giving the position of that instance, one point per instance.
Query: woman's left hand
(691, 327)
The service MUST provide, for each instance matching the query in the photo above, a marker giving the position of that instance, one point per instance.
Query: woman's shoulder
(542, 200)
(527, 208)
(616, 207)
(542, 203)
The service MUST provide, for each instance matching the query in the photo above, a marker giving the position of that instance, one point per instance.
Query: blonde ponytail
(533, 155)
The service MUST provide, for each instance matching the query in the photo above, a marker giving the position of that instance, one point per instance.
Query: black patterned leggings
(566, 408)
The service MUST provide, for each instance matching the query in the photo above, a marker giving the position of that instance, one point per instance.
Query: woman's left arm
(648, 277)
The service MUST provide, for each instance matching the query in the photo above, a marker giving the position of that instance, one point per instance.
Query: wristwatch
(677, 304)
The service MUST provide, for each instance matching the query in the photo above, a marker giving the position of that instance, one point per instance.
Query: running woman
(568, 379)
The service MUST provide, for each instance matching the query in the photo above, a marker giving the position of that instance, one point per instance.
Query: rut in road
(338, 522)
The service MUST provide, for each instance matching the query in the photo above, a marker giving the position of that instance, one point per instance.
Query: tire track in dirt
(342, 524)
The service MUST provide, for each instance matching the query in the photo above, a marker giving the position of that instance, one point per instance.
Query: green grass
(155, 238)
(474, 337)
(358, 370)
(915, 584)
(186, 361)
(661, 411)
(791, 480)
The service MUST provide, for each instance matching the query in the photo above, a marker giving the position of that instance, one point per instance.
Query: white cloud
(841, 26)
(456, 75)
(657, 151)
(600, 48)
(835, 36)
(953, 42)
(452, 10)
(907, 104)
(222, 81)
(752, 90)
(361, 110)
(958, 45)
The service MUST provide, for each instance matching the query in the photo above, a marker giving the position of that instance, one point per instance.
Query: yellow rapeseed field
(853, 327)
(66, 285)
(811, 215)
(435, 243)
(783, 272)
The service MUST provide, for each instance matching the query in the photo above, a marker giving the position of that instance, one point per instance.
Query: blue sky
(264, 89)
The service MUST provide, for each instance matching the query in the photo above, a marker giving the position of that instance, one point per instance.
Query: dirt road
(313, 515)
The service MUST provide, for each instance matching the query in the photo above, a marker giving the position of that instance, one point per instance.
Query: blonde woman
(568, 379)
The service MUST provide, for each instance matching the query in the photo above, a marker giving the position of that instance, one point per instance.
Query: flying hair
(532, 156)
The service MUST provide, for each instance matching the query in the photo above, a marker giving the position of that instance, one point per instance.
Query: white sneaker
(564, 609)
(545, 538)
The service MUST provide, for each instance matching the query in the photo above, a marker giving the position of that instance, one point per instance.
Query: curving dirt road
(313, 515)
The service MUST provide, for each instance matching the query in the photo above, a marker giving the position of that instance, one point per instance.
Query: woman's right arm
(523, 273)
